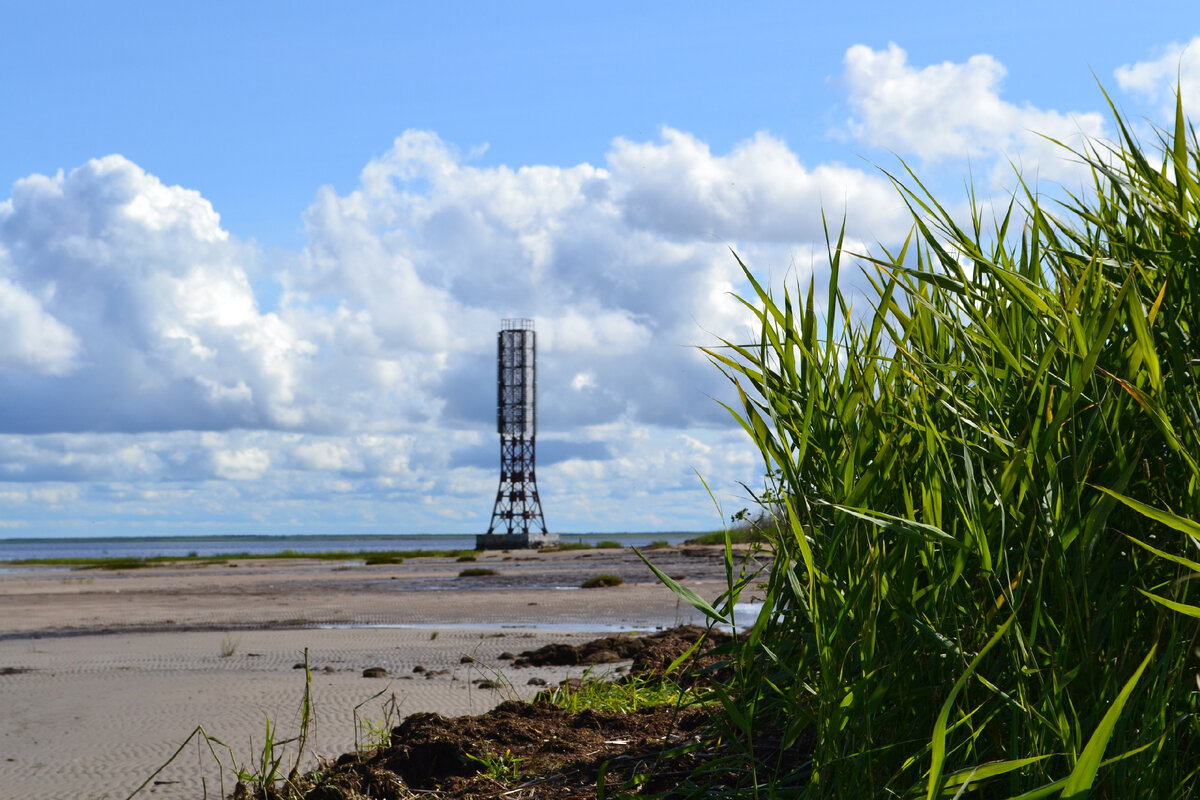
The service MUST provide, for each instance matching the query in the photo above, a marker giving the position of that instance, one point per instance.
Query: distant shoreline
(243, 537)
(74, 551)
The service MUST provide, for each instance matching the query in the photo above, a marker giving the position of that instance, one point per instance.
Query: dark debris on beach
(534, 750)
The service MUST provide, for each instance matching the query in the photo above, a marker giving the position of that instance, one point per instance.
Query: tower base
(514, 541)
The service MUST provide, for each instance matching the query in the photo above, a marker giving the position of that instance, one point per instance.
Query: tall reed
(955, 607)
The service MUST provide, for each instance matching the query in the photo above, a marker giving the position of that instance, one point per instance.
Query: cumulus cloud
(130, 309)
(1176, 66)
(758, 192)
(31, 338)
(624, 266)
(955, 111)
(141, 372)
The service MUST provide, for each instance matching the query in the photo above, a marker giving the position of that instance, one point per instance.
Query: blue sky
(252, 256)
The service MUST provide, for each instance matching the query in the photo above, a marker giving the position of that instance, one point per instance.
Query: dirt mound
(651, 654)
(534, 751)
(544, 750)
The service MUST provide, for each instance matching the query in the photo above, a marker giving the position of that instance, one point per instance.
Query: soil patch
(536, 750)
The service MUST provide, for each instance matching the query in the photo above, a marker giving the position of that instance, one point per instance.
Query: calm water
(143, 547)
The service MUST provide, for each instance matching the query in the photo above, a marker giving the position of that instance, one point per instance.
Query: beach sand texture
(104, 674)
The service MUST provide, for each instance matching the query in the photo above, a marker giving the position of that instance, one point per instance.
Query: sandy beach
(104, 674)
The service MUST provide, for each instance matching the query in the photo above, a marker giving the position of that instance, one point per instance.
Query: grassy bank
(989, 478)
(126, 562)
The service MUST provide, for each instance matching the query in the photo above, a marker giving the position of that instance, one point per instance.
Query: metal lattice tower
(517, 519)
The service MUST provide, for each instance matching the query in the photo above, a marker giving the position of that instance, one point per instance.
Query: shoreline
(104, 674)
(82, 550)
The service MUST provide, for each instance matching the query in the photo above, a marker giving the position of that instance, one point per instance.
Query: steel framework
(517, 519)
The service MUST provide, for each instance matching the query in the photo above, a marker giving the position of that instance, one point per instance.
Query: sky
(253, 256)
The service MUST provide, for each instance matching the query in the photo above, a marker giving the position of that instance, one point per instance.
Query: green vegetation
(742, 534)
(114, 563)
(602, 581)
(503, 769)
(623, 696)
(229, 645)
(608, 544)
(465, 559)
(372, 733)
(383, 558)
(125, 562)
(988, 472)
(474, 572)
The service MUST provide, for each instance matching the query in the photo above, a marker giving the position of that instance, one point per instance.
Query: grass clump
(602, 581)
(229, 645)
(476, 572)
(383, 558)
(989, 484)
(231, 559)
(113, 563)
(503, 769)
(622, 696)
(465, 559)
(737, 535)
(608, 544)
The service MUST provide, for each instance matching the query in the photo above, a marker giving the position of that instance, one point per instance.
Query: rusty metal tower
(517, 519)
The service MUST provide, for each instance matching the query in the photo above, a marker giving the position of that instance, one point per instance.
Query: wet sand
(104, 674)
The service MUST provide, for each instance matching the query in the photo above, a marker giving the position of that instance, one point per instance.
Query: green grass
(120, 562)
(368, 556)
(740, 535)
(476, 572)
(987, 469)
(622, 696)
(383, 558)
(229, 645)
(504, 769)
(608, 544)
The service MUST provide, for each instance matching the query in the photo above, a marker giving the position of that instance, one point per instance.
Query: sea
(23, 549)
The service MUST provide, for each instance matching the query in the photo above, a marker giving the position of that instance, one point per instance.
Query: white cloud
(1177, 66)
(129, 308)
(954, 111)
(31, 338)
(140, 370)
(623, 266)
(326, 455)
(55, 495)
(758, 192)
(241, 465)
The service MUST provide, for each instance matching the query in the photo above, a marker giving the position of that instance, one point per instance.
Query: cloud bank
(147, 384)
